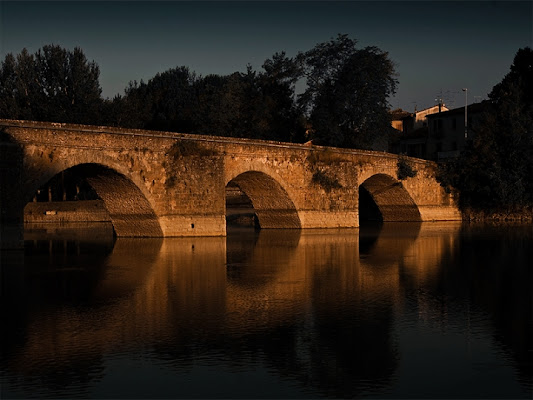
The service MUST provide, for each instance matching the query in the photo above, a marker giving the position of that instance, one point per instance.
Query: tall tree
(347, 92)
(165, 102)
(253, 104)
(53, 84)
(495, 170)
(283, 117)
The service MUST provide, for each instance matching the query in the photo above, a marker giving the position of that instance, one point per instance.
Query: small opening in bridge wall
(192, 226)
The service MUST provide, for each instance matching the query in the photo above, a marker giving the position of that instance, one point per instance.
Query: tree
(347, 92)
(494, 171)
(224, 104)
(166, 102)
(54, 84)
(251, 104)
(282, 115)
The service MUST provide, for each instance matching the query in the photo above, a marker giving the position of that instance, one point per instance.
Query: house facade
(438, 135)
(447, 135)
(418, 119)
(413, 135)
(397, 116)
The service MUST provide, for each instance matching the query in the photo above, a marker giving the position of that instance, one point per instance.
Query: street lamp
(466, 103)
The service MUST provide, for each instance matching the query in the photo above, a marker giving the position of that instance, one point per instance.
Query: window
(454, 124)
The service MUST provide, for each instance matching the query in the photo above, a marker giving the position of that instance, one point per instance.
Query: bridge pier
(193, 225)
(329, 219)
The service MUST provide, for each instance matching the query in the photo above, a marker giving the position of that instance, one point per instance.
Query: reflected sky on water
(432, 310)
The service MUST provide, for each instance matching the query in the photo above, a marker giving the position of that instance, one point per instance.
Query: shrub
(405, 169)
(326, 156)
(323, 180)
(186, 148)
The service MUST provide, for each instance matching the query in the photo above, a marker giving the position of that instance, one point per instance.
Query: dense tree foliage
(344, 103)
(495, 171)
(251, 104)
(53, 84)
(347, 92)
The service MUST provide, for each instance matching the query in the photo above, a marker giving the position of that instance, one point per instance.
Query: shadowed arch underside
(391, 198)
(131, 213)
(272, 205)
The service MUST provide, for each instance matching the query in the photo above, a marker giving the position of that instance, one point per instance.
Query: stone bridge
(161, 184)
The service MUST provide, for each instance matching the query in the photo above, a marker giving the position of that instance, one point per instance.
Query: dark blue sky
(439, 47)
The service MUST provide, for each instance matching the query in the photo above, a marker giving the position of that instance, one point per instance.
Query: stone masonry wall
(181, 178)
(66, 211)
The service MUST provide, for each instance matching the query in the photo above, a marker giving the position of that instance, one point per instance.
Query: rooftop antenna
(439, 100)
(449, 98)
(439, 97)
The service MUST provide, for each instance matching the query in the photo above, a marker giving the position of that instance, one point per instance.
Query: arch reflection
(314, 308)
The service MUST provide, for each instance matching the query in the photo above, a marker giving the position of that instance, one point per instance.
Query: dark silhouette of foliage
(405, 169)
(249, 105)
(347, 92)
(325, 157)
(184, 148)
(345, 101)
(165, 102)
(284, 118)
(53, 84)
(325, 181)
(495, 170)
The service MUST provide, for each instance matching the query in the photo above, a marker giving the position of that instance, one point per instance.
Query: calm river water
(433, 310)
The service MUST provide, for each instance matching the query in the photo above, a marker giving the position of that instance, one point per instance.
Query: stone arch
(130, 211)
(391, 198)
(271, 202)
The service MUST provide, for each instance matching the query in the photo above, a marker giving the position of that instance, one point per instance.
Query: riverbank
(524, 215)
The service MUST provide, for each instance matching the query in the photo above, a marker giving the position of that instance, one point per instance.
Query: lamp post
(466, 105)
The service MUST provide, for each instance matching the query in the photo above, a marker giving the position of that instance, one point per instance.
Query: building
(414, 131)
(418, 119)
(438, 136)
(446, 130)
(397, 116)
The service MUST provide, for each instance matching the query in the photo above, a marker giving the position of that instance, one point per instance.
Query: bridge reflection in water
(319, 311)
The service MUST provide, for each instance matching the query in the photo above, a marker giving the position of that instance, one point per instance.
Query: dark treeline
(252, 104)
(343, 103)
(494, 173)
(53, 84)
